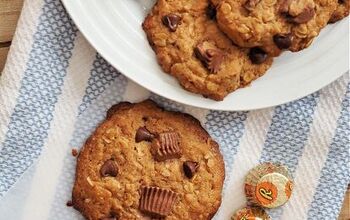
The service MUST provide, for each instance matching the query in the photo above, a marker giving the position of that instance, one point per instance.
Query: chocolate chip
(210, 57)
(143, 134)
(211, 11)
(251, 4)
(171, 21)
(306, 15)
(69, 203)
(190, 168)
(109, 168)
(282, 41)
(257, 55)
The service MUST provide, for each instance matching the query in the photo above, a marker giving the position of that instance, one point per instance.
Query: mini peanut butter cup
(250, 213)
(268, 185)
(156, 202)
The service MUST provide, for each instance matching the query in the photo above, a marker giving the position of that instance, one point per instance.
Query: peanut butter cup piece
(156, 202)
(166, 146)
(210, 56)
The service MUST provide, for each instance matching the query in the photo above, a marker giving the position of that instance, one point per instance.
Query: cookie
(341, 11)
(274, 25)
(143, 162)
(190, 47)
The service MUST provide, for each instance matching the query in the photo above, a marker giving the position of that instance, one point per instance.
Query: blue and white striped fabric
(55, 89)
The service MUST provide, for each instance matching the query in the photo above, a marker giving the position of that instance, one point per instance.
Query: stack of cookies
(214, 47)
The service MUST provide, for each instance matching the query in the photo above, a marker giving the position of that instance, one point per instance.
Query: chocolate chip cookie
(143, 162)
(190, 47)
(274, 25)
(341, 11)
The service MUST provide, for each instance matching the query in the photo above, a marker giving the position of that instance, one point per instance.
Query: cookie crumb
(74, 152)
(69, 203)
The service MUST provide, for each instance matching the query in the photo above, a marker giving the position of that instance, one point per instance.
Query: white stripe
(315, 151)
(135, 93)
(198, 113)
(248, 155)
(57, 145)
(10, 80)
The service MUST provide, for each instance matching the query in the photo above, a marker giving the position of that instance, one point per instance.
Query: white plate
(113, 27)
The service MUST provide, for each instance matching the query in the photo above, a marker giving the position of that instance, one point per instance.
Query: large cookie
(190, 47)
(143, 162)
(274, 25)
(341, 11)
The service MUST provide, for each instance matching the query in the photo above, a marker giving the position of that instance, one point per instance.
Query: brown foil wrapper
(166, 146)
(156, 202)
(251, 213)
(268, 185)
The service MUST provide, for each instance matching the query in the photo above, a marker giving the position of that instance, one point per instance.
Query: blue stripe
(227, 129)
(101, 76)
(335, 175)
(288, 133)
(106, 87)
(41, 85)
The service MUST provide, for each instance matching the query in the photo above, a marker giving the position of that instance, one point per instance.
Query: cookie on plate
(341, 11)
(274, 25)
(143, 162)
(190, 47)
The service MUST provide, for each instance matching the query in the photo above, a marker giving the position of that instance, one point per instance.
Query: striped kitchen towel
(55, 89)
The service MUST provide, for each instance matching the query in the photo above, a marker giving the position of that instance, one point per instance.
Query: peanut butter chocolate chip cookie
(143, 162)
(341, 11)
(274, 25)
(190, 47)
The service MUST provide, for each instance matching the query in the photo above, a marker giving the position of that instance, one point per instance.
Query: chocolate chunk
(156, 202)
(109, 168)
(282, 41)
(251, 4)
(211, 11)
(211, 58)
(171, 21)
(166, 146)
(143, 134)
(257, 55)
(306, 15)
(190, 168)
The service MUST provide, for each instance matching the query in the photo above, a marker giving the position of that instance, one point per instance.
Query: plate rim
(84, 29)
